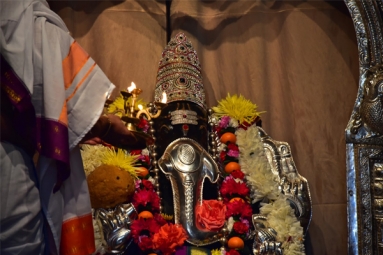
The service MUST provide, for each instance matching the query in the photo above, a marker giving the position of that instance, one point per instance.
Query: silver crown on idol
(179, 73)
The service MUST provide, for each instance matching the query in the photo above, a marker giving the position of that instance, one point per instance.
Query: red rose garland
(232, 187)
(143, 229)
(151, 231)
(240, 227)
(238, 209)
(145, 199)
(234, 190)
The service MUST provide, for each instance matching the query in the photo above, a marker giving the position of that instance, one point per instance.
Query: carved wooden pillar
(364, 134)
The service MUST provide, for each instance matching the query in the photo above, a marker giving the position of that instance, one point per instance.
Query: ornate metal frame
(364, 134)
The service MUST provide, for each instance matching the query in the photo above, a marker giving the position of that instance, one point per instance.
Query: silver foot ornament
(115, 226)
(265, 237)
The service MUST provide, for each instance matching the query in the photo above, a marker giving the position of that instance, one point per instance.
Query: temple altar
(210, 180)
(297, 60)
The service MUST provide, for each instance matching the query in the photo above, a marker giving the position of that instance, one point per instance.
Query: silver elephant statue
(294, 186)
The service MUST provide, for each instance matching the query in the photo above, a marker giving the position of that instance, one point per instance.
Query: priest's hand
(112, 130)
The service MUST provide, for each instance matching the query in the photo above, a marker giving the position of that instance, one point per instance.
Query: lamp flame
(131, 87)
(164, 98)
(140, 107)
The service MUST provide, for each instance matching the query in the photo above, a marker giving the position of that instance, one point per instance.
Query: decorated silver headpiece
(179, 73)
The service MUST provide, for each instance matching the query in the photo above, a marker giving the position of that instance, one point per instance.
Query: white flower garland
(99, 240)
(91, 157)
(254, 164)
(259, 177)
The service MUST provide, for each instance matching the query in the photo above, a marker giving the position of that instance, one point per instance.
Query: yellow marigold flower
(120, 159)
(237, 107)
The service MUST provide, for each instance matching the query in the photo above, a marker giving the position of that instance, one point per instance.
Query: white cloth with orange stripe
(67, 87)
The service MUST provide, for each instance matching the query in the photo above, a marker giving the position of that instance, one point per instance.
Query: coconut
(110, 186)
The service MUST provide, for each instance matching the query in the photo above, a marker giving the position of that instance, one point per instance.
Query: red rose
(211, 214)
(233, 252)
(168, 238)
(239, 208)
(233, 147)
(238, 174)
(147, 184)
(222, 155)
(145, 243)
(240, 228)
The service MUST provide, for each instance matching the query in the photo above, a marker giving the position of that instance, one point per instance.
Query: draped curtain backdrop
(297, 60)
